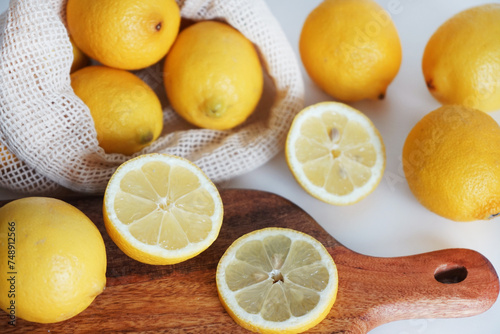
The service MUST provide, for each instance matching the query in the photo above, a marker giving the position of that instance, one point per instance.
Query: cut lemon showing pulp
(161, 209)
(277, 280)
(335, 153)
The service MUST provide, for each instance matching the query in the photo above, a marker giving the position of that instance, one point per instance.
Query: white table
(390, 222)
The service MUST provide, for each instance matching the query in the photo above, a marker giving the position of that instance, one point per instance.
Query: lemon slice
(161, 209)
(277, 280)
(335, 153)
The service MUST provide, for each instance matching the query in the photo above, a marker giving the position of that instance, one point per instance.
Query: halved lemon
(277, 280)
(161, 209)
(335, 153)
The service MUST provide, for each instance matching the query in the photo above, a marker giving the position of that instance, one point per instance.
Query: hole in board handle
(450, 274)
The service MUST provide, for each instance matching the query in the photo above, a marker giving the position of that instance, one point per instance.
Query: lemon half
(277, 280)
(335, 153)
(162, 209)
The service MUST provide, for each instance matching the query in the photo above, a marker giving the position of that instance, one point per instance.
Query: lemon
(125, 34)
(161, 209)
(461, 62)
(350, 49)
(450, 160)
(127, 113)
(6, 155)
(80, 59)
(213, 76)
(52, 257)
(277, 280)
(335, 153)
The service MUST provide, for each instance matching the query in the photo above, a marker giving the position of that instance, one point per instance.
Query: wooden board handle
(440, 284)
(182, 298)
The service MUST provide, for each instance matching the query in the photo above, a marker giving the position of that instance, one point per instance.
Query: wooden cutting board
(183, 298)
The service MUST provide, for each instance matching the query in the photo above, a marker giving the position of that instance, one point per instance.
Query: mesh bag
(48, 141)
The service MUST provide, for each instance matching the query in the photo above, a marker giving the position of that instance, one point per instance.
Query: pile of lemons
(212, 73)
(351, 50)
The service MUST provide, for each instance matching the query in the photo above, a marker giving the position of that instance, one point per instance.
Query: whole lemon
(80, 59)
(53, 260)
(213, 76)
(451, 160)
(127, 113)
(350, 49)
(6, 155)
(461, 62)
(125, 34)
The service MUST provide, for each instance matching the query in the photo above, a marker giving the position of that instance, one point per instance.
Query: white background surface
(390, 222)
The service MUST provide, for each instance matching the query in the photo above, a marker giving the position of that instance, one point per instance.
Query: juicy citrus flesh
(461, 61)
(125, 34)
(127, 113)
(350, 49)
(58, 262)
(335, 153)
(162, 209)
(277, 280)
(213, 76)
(450, 160)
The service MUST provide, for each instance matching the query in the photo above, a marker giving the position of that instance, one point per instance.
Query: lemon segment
(162, 209)
(277, 280)
(335, 153)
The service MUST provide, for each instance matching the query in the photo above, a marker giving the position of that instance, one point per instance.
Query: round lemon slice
(335, 153)
(277, 280)
(161, 209)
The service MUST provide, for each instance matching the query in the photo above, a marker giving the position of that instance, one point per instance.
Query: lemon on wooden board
(127, 113)
(350, 49)
(213, 76)
(335, 153)
(161, 209)
(57, 255)
(451, 162)
(277, 280)
(461, 61)
(125, 34)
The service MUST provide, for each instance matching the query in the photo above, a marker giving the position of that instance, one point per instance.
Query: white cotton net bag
(48, 142)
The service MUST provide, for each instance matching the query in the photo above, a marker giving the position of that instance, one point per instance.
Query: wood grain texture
(182, 298)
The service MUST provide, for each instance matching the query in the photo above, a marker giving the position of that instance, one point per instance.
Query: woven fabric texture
(48, 142)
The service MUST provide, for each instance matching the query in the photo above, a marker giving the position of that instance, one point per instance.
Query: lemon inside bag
(162, 209)
(280, 281)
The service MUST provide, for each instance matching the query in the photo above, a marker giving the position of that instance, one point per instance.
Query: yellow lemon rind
(254, 322)
(318, 192)
(153, 254)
